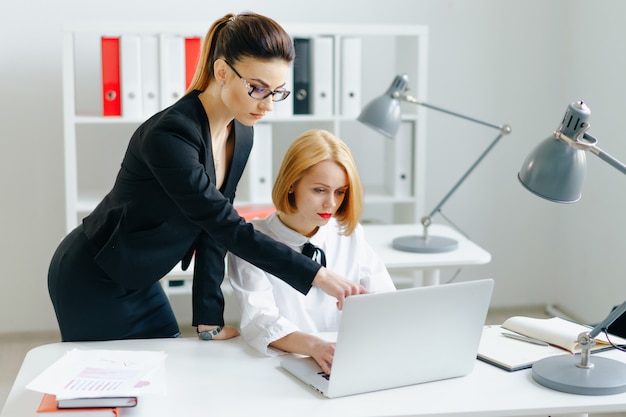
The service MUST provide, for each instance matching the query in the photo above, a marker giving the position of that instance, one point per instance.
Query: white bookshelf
(95, 145)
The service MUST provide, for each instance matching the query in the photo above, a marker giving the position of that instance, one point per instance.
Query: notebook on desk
(405, 337)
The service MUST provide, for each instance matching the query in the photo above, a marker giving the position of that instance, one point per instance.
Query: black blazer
(164, 207)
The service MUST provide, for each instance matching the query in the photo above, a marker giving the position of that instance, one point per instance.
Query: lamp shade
(554, 171)
(556, 168)
(383, 114)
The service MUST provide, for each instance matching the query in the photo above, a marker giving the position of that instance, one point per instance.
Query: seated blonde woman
(319, 199)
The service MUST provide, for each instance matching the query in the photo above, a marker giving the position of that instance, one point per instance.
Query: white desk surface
(223, 378)
(380, 237)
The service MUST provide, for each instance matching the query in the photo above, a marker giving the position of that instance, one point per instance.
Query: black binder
(302, 76)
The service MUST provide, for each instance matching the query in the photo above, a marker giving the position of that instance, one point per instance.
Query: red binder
(192, 54)
(111, 94)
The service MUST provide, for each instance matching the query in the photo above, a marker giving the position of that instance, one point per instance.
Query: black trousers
(91, 306)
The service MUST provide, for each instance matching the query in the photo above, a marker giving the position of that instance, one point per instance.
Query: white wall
(518, 62)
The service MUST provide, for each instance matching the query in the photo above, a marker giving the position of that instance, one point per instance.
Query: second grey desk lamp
(555, 170)
(383, 114)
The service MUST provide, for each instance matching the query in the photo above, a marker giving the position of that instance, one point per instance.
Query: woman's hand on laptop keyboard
(308, 344)
(323, 354)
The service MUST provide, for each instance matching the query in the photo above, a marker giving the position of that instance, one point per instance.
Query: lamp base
(433, 244)
(560, 373)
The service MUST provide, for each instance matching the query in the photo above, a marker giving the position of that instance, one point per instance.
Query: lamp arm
(586, 340)
(586, 142)
(427, 220)
(609, 159)
(504, 130)
(613, 315)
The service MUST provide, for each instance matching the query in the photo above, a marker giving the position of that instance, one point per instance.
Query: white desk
(468, 253)
(227, 378)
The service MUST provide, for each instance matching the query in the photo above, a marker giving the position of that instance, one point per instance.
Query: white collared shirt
(272, 309)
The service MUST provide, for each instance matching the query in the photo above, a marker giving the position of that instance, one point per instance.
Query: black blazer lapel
(241, 152)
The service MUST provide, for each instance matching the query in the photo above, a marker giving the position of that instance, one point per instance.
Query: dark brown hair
(237, 36)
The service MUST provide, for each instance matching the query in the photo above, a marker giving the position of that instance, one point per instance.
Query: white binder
(130, 76)
(151, 100)
(283, 109)
(400, 152)
(322, 72)
(259, 167)
(350, 76)
(172, 69)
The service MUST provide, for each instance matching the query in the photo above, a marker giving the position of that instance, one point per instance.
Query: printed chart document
(103, 373)
(512, 355)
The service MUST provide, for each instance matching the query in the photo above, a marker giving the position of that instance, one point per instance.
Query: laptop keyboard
(323, 375)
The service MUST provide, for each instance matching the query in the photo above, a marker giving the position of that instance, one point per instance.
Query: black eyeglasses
(261, 93)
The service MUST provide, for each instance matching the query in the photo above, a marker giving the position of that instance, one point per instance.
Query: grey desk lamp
(383, 114)
(555, 170)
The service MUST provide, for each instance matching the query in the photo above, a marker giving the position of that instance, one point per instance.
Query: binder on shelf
(130, 75)
(150, 91)
(87, 74)
(350, 76)
(399, 161)
(172, 69)
(259, 167)
(322, 75)
(284, 108)
(192, 54)
(302, 76)
(111, 97)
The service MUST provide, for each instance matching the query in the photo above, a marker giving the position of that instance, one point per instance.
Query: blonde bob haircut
(309, 149)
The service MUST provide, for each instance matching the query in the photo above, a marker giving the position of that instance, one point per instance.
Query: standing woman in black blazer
(173, 197)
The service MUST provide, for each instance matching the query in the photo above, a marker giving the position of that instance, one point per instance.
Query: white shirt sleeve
(373, 274)
(261, 321)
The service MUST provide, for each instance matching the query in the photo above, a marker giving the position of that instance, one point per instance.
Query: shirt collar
(293, 238)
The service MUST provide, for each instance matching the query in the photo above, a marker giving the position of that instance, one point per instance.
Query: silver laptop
(405, 337)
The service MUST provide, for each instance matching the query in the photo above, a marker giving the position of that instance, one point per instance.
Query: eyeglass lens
(261, 93)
